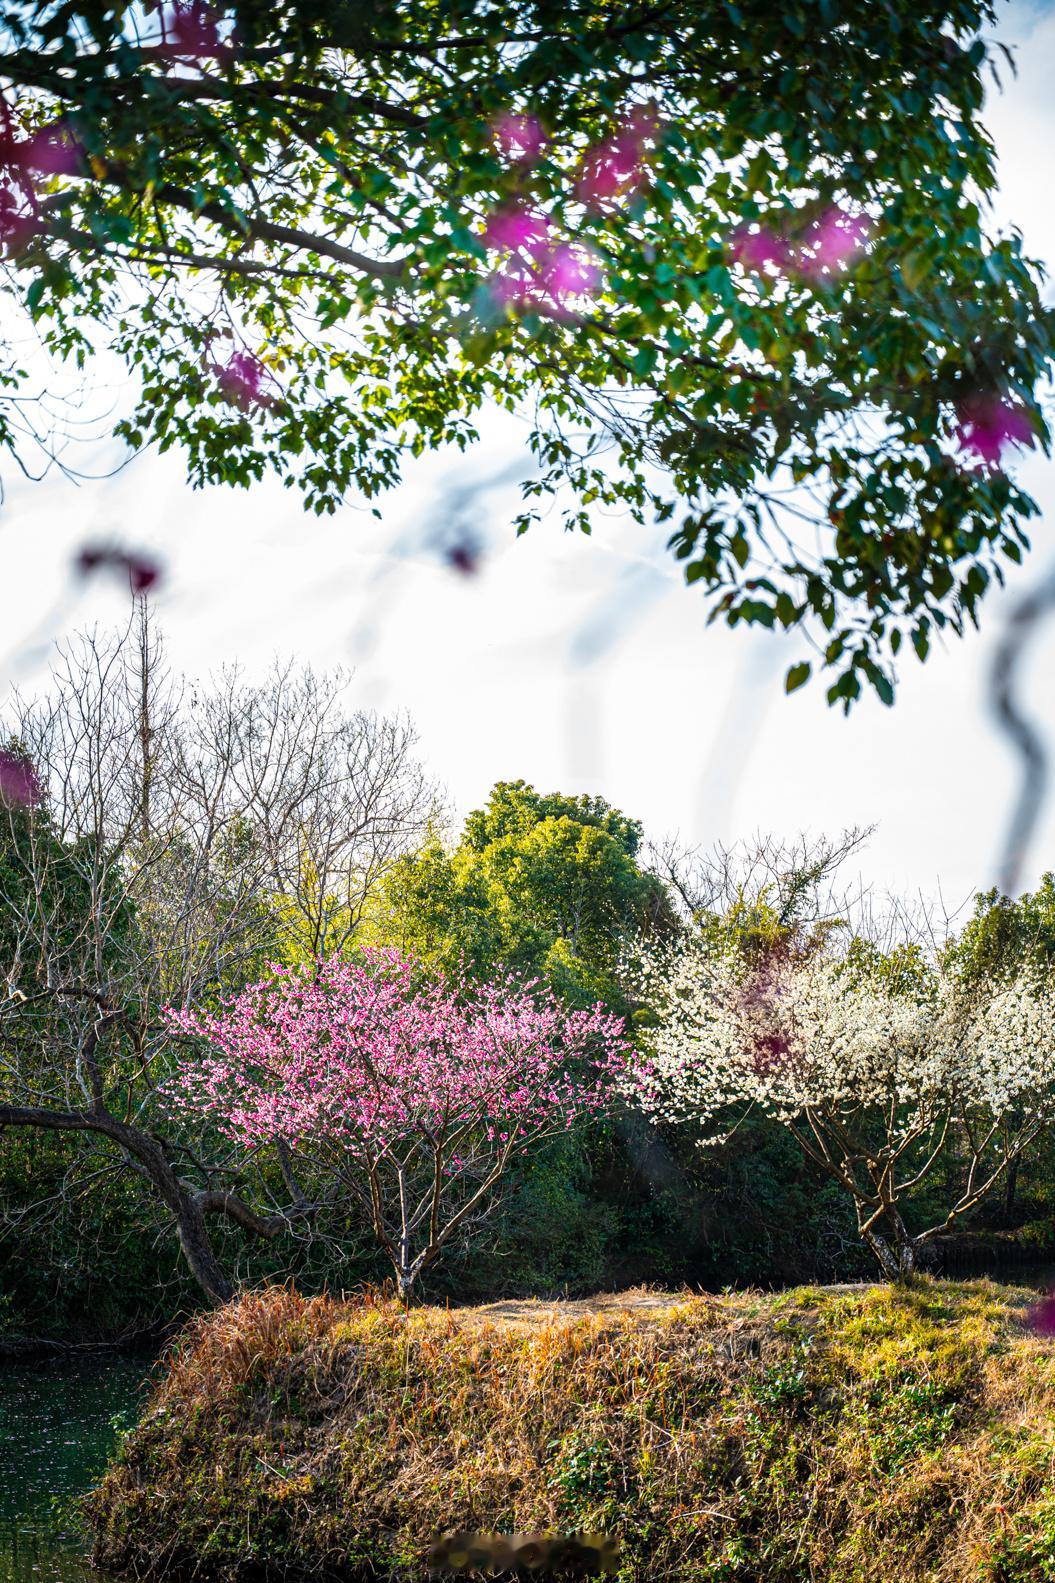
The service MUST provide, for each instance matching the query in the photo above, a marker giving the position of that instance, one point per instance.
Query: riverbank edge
(839, 1435)
(31, 1349)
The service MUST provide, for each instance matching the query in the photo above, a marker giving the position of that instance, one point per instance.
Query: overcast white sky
(577, 664)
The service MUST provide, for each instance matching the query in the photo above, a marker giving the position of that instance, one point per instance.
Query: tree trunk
(895, 1252)
(146, 734)
(197, 1250)
(187, 1211)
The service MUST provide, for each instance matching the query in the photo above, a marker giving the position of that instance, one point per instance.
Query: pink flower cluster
(53, 151)
(538, 270)
(987, 424)
(244, 381)
(520, 137)
(519, 231)
(618, 167)
(368, 1055)
(832, 241)
(18, 780)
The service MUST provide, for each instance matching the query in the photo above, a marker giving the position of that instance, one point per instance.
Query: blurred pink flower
(19, 221)
(611, 171)
(142, 572)
(617, 167)
(243, 380)
(518, 231)
(570, 272)
(191, 28)
(463, 557)
(832, 241)
(520, 137)
(18, 782)
(54, 152)
(755, 249)
(987, 423)
(1041, 1317)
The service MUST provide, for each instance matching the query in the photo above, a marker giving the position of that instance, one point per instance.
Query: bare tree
(799, 881)
(335, 798)
(175, 839)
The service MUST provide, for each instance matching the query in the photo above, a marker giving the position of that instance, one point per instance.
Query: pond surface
(59, 1421)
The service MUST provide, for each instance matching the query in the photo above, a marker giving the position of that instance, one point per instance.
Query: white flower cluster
(795, 1035)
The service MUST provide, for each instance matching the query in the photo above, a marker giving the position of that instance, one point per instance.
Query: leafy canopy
(1005, 937)
(544, 885)
(733, 257)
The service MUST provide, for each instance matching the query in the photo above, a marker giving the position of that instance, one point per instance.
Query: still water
(59, 1422)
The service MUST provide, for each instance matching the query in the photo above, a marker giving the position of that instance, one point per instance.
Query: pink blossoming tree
(413, 1096)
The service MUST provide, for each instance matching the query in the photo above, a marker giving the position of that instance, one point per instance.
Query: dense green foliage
(82, 1257)
(1005, 934)
(549, 886)
(294, 227)
(815, 1437)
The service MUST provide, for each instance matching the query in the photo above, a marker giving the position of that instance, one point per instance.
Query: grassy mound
(837, 1435)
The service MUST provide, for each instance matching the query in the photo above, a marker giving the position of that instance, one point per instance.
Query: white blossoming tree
(876, 1074)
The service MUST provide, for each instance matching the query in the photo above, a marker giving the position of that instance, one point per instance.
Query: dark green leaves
(323, 194)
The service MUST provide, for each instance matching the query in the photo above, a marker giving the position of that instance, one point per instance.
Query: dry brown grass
(844, 1435)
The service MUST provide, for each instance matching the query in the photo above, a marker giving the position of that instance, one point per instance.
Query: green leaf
(797, 676)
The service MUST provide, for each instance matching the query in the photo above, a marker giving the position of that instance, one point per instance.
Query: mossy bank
(828, 1435)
